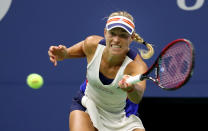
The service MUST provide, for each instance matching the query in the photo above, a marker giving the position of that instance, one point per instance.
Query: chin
(117, 53)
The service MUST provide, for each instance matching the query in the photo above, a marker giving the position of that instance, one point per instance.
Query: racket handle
(134, 79)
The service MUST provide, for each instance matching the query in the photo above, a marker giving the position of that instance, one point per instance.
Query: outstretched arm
(85, 48)
(61, 52)
(134, 91)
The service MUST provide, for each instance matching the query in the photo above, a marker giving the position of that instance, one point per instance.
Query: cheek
(107, 37)
(127, 43)
(107, 42)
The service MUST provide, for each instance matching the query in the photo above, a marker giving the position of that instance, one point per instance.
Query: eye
(113, 33)
(123, 35)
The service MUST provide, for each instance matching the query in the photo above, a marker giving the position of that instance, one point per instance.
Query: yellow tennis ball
(34, 81)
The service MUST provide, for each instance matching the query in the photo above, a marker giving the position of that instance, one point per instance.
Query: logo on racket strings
(181, 65)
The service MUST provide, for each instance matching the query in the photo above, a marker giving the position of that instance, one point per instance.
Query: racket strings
(175, 65)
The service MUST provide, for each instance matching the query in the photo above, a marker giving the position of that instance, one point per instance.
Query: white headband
(122, 22)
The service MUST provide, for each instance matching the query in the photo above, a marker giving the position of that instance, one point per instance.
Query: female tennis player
(105, 101)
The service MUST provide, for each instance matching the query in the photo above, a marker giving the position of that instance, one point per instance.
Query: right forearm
(75, 51)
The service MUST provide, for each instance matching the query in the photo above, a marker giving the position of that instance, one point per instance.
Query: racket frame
(155, 66)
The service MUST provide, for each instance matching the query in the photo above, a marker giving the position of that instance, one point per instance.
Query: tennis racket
(173, 67)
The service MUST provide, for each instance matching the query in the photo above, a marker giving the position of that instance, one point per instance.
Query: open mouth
(115, 46)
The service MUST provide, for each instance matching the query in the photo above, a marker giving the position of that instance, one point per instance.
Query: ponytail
(146, 54)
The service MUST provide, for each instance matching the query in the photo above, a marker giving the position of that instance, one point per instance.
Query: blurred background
(29, 28)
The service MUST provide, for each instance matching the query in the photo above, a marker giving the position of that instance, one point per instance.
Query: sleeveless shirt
(106, 103)
(109, 97)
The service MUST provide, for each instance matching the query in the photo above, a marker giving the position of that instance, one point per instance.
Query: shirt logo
(108, 91)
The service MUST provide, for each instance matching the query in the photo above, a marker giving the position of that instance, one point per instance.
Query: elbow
(136, 101)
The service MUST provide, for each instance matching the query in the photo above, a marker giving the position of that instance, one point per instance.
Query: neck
(113, 60)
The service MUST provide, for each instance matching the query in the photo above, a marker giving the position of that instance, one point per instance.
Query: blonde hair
(146, 54)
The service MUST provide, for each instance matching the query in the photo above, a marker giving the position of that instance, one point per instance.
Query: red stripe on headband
(128, 22)
(113, 19)
(124, 20)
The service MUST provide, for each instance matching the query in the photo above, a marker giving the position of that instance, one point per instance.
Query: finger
(50, 53)
(126, 85)
(126, 77)
(52, 59)
(55, 63)
(122, 85)
(51, 48)
(119, 84)
(62, 47)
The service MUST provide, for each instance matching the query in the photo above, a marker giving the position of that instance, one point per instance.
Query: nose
(116, 38)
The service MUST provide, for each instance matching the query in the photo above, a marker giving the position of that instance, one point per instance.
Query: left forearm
(135, 95)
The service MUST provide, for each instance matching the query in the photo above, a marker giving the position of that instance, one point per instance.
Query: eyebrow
(119, 29)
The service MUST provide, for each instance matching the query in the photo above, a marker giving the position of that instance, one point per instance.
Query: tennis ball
(34, 81)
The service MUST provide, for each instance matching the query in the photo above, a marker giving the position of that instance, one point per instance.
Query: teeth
(116, 46)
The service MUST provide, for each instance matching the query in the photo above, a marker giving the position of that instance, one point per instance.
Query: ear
(105, 31)
(133, 36)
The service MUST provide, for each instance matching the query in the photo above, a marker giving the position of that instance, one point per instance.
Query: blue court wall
(30, 27)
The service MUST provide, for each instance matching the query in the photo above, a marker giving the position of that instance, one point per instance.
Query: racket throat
(156, 81)
(149, 78)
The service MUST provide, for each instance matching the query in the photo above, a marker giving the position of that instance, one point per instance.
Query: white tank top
(108, 97)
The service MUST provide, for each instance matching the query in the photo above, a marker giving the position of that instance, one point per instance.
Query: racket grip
(134, 79)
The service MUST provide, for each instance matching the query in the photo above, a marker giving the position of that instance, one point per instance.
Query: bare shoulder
(137, 66)
(90, 44)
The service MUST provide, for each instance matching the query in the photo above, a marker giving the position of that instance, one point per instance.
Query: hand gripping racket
(173, 67)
